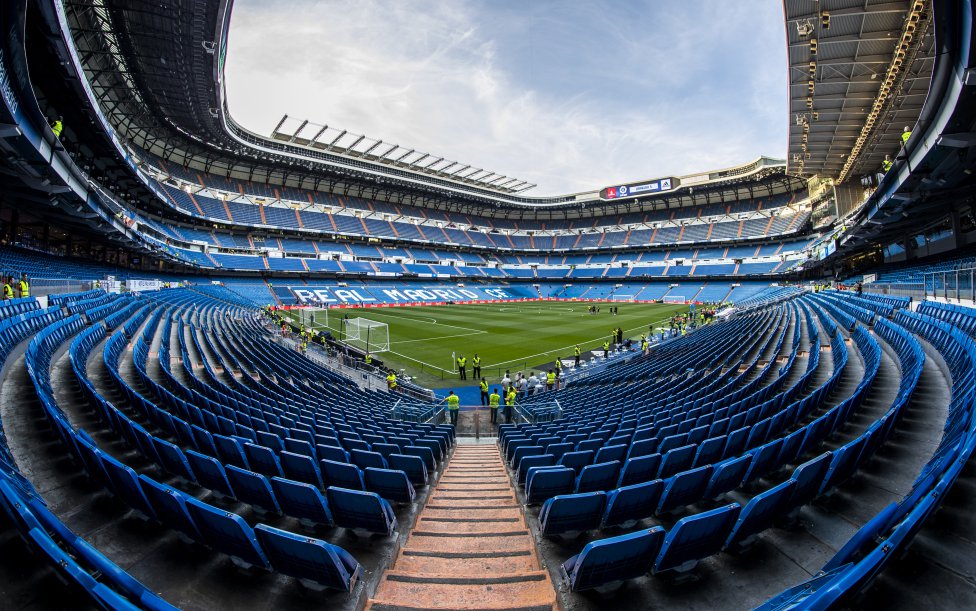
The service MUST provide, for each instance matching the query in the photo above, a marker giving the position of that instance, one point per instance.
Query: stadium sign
(637, 190)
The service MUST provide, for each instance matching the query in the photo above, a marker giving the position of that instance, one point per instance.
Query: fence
(954, 284)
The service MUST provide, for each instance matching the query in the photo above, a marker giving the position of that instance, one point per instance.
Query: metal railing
(415, 411)
(537, 413)
(953, 284)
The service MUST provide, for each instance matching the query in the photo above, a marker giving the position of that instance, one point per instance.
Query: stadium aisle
(471, 547)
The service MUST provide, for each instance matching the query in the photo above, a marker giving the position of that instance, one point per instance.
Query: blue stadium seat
(125, 483)
(677, 460)
(302, 501)
(227, 533)
(597, 477)
(312, 561)
(331, 452)
(254, 489)
(364, 459)
(695, 537)
(577, 460)
(605, 564)
(302, 468)
(230, 451)
(616, 452)
(361, 511)
(639, 469)
(542, 483)
(262, 460)
(173, 459)
(684, 488)
(758, 515)
(392, 485)
(423, 453)
(528, 462)
(727, 475)
(170, 507)
(413, 466)
(342, 475)
(628, 505)
(210, 473)
(809, 477)
(572, 513)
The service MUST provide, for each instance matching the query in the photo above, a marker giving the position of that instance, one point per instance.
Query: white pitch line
(432, 321)
(422, 362)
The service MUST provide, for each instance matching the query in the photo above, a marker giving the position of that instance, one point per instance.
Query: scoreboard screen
(638, 189)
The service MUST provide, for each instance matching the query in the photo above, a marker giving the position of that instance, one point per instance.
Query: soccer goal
(675, 299)
(316, 319)
(617, 297)
(368, 335)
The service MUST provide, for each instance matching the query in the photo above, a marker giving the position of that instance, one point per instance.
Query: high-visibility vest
(510, 398)
(559, 366)
(606, 346)
(453, 402)
(886, 165)
(494, 400)
(484, 386)
(905, 136)
(391, 381)
(8, 292)
(24, 289)
(56, 127)
(476, 361)
(368, 359)
(462, 361)
(577, 350)
(550, 378)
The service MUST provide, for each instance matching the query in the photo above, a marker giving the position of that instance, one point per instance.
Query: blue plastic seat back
(413, 466)
(302, 468)
(302, 501)
(342, 475)
(309, 559)
(809, 478)
(361, 510)
(125, 484)
(170, 507)
(614, 559)
(684, 488)
(727, 475)
(609, 453)
(425, 454)
(173, 459)
(696, 537)
(572, 513)
(364, 459)
(252, 488)
(527, 462)
(547, 482)
(226, 532)
(630, 504)
(392, 485)
(577, 460)
(331, 452)
(262, 460)
(210, 473)
(759, 513)
(230, 451)
(598, 477)
(639, 469)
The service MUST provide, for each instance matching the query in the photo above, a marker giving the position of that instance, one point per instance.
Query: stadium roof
(859, 72)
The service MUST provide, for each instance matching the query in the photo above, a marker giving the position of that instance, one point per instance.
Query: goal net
(367, 335)
(316, 319)
(675, 299)
(617, 297)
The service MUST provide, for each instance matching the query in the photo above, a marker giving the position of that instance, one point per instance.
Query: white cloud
(442, 81)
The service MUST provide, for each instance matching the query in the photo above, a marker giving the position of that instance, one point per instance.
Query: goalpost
(675, 299)
(616, 297)
(367, 335)
(315, 319)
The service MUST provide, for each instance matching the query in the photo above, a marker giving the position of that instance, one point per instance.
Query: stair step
(529, 590)
(518, 540)
(454, 525)
(466, 566)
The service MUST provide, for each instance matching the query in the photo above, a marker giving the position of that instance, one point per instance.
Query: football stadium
(298, 367)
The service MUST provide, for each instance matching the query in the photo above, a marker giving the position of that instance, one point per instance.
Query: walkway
(471, 547)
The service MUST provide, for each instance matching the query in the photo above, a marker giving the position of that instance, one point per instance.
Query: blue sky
(572, 95)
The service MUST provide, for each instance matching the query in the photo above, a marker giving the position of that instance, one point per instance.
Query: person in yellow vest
(550, 380)
(905, 135)
(453, 406)
(24, 286)
(391, 381)
(8, 289)
(510, 403)
(462, 370)
(494, 400)
(886, 163)
(476, 366)
(368, 359)
(644, 343)
(56, 126)
(576, 353)
(606, 349)
(484, 392)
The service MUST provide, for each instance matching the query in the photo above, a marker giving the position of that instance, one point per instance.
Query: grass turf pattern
(512, 336)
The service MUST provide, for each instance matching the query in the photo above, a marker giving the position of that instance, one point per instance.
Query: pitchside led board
(638, 189)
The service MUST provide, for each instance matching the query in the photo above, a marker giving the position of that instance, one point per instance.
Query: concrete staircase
(471, 547)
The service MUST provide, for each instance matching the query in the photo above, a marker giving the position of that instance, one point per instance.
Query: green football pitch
(507, 336)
